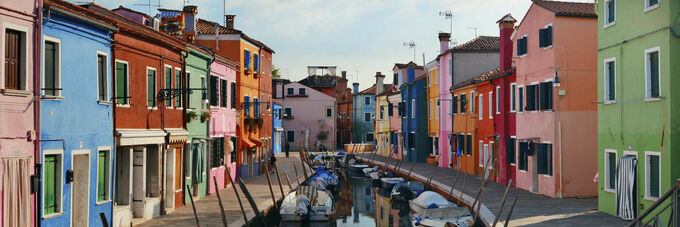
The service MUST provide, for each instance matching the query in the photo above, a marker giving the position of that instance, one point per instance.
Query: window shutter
(101, 183)
(233, 95)
(463, 103)
(541, 37)
(510, 150)
(223, 93)
(213, 91)
(519, 47)
(455, 104)
(121, 83)
(549, 36)
(389, 109)
(246, 58)
(541, 156)
(50, 184)
(12, 59)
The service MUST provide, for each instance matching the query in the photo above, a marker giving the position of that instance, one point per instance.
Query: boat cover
(430, 199)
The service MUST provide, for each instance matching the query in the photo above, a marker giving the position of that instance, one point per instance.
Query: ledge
(12, 92)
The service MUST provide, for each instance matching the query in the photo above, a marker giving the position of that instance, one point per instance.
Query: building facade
(277, 127)
(504, 122)
(363, 115)
(414, 117)
(310, 127)
(432, 70)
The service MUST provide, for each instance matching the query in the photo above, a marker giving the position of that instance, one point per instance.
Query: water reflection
(361, 204)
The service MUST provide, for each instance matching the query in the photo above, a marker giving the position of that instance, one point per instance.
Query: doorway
(123, 168)
(170, 179)
(80, 196)
(534, 170)
(138, 182)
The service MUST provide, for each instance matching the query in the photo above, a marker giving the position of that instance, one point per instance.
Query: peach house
(307, 125)
(556, 63)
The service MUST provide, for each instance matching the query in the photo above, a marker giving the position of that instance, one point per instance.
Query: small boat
(428, 200)
(369, 170)
(357, 168)
(306, 203)
(323, 179)
(438, 217)
(389, 182)
(412, 187)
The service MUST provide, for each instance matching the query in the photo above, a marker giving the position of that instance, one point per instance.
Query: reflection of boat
(389, 182)
(459, 216)
(412, 187)
(307, 204)
(427, 200)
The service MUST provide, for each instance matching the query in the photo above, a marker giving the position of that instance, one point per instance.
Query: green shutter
(178, 84)
(49, 184)
(121, 83)
(101, 183)
(654, 73)
(168, 84)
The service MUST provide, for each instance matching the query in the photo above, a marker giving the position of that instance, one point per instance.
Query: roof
(407, 65)
(568, 9)
(80, 13)
(389, 90)
(120, 7)
(220, 58)
(315, 81)
(371, 90)
(480, 44)
(478, 79)
(206, 27)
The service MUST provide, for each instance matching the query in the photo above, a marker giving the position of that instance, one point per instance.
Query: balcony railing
(652, 216)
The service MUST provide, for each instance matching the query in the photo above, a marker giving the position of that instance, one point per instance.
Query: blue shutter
(246, 59)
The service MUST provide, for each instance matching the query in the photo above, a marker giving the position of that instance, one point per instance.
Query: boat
(389, 182)
(413, 188)
(323, 179)
(438, 217)
(428, 200)
(306, 203)
(357, 168)
(367, 171)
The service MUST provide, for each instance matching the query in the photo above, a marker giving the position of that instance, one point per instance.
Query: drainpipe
(185, 103)
(37, 168)
(113, 114)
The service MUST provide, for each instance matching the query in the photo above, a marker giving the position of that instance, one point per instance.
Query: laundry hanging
(626, 187)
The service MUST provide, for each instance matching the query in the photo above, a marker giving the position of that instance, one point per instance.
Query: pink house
(556, 63)
(307, 125)
(223, 119)
(19, 104)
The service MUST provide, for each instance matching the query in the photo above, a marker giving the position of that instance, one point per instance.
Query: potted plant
(256, 74)
(205, 115)
(250, 123)
(249, 70)
(323, 135)
(191, 115)
(259, 122)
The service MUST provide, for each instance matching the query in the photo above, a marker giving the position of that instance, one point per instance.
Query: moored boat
(428, 200)
(389, 182)
(307, 204)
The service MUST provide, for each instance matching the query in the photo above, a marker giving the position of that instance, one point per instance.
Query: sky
(361, 37)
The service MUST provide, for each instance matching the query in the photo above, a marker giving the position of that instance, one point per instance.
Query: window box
(205, 116)
(191, 115)
(248, 71)
(256, 74)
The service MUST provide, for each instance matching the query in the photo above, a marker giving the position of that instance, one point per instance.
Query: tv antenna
(411, 45)
(150, 5)
(448, 15)
(473, 28)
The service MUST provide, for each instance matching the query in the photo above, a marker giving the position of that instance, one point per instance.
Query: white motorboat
(307, 204)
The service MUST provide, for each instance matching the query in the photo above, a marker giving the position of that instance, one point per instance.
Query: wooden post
(454, 185)
(240, 204)
(191, 198)
(219, 199)
(507, 220)
(269, 182)
(500, 210)
(409, 172)
(251, 201)
(479, 205)
(102, 217)
(460, 199)
(276, 169)
(429, 180)
(297, 178)
(287, 180)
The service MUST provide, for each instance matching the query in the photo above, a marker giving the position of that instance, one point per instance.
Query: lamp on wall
(556, 80)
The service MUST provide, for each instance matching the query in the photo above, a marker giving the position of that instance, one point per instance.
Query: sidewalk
(208, 208)
(530, 210)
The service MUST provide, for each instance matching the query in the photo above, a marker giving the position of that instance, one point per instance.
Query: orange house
(486, 139)
(464, 132)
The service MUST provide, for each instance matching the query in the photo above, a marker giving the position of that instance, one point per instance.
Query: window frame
(25, 45)
(520, 99)
(648, 7)
(302, 91)
(606, 169)
(606, 83)
(127, 84)
(480, 110)
(498, 97)
(179, 99)
(107, 93)
(165, 77)
(108, 198)
(58, 68)
(513, 97)
(648, 51)
(367, 100)
(327, 112)
(551, 37)
(155, 98)
(413, 108)
(290, 132)
(369, 117)
(472, 101)
(490, 105)
(525, 47)
(481, 153)
(290, 91)
(372, 137)
(59, 181)
(647, 172)
(606, 23)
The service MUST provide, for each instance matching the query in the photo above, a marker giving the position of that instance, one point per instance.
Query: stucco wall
(310, 118)
(469, 65)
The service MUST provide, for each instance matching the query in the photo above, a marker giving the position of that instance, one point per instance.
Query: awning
(247, 143)
(257, 141)
(278, 129)
(129, 137)
(164, 14)
(177, 135)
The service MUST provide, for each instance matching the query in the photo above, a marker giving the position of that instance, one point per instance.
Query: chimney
(506, 25)
(411, 72)
(344, 75)
(444, 40)
(229, 21)
(379, 77)
(355, 88)
(190, 17)
(341, 84)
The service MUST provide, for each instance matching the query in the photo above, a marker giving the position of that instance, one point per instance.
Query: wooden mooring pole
(500, 210)
(453, 185)
(240, 204)
(507, 219)
(408, 177)
(191, 198)
(287, 180)
(251, 201)
(219, 199)
(269, 182)
(297, 178)
(276, 169)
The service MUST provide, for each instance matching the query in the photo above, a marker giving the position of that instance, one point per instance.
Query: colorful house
(457, 65)
(20, 44)
(150, 133)
(222, 125)
(414, 116)
(397, 142)
(363, 115)
(277, 127)
(504, 121)
(487, 102)
(432, 69)
(637, 119)
(77, 161)
(384, 111)
(265, 88)
(400, 72)
(556, 65)
(343, 96)
(311, 127)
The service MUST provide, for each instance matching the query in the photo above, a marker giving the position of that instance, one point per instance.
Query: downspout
(37, 168)
(207, 127)
(185, 102)
(113, 114)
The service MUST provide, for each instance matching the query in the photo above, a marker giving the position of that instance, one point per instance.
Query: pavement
(208, 208)
(531, 209)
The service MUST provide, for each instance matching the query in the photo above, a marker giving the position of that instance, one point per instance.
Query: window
(246, 106)
(16, 49)
(52, 67)
(102, 77)
(413, 108)
(367, 117)
(223, 93)
(122, 83)
(468, 142)
(369, 137)
(652, 72)
(482, 159)
(52, 182)
(329, 112)
(103, 175)
(214, 96)
(498, 100)
(609, 12)
(179, 85)
(610, 169)
(217, 152)
(390, 111)
(546, 97)
(532, 97)
(522, 46)
(412, 140)
(520, 92)
(481, 106)
(203, 86)
(256, 107)
(234, 153)
(256, 62)
(610, 79)
(545, 36)
(288, 112)
(436, 113)
(400, 109)
(510, 150)
(233, 95)
(523, 157)
(168, 83)
(429, 110)
(367, 100)
(290, 136)
(395, 79)
(490, 105)
(382, 112)
(289, 91)
(454, 105)
(463, 103)
(544, 156)
(301, 91)
(651, 4)
(150, 87)
(652, 174)
(188, 79)
(472, 102)
(513, 96)
(246, 59)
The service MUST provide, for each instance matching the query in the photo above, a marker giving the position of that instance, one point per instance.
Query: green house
(638, 48)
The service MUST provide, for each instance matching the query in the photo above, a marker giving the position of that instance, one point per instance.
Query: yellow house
(432, 70)
(383, 111)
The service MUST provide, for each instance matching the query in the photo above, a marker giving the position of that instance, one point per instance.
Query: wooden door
(178, 178)
(12, 59)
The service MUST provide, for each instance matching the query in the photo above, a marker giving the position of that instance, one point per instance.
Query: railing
(648, 217)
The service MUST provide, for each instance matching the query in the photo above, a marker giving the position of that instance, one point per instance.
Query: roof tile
(574, 9)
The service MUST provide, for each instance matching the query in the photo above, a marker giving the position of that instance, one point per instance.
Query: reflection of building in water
(382, 211)
(343, 206)
(363, 197)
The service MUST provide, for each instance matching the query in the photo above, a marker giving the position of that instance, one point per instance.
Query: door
(80, 195)
(138, 182)
(626, 187)
(170, 179)
(250, 162)
(534, 170)
(177, 188)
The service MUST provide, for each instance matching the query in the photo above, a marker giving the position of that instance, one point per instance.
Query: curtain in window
(16, 192)
(626, 188)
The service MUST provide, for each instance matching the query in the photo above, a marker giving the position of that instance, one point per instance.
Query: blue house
(277, 128)
(76, 128)
(414, 117)
(363, 115)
